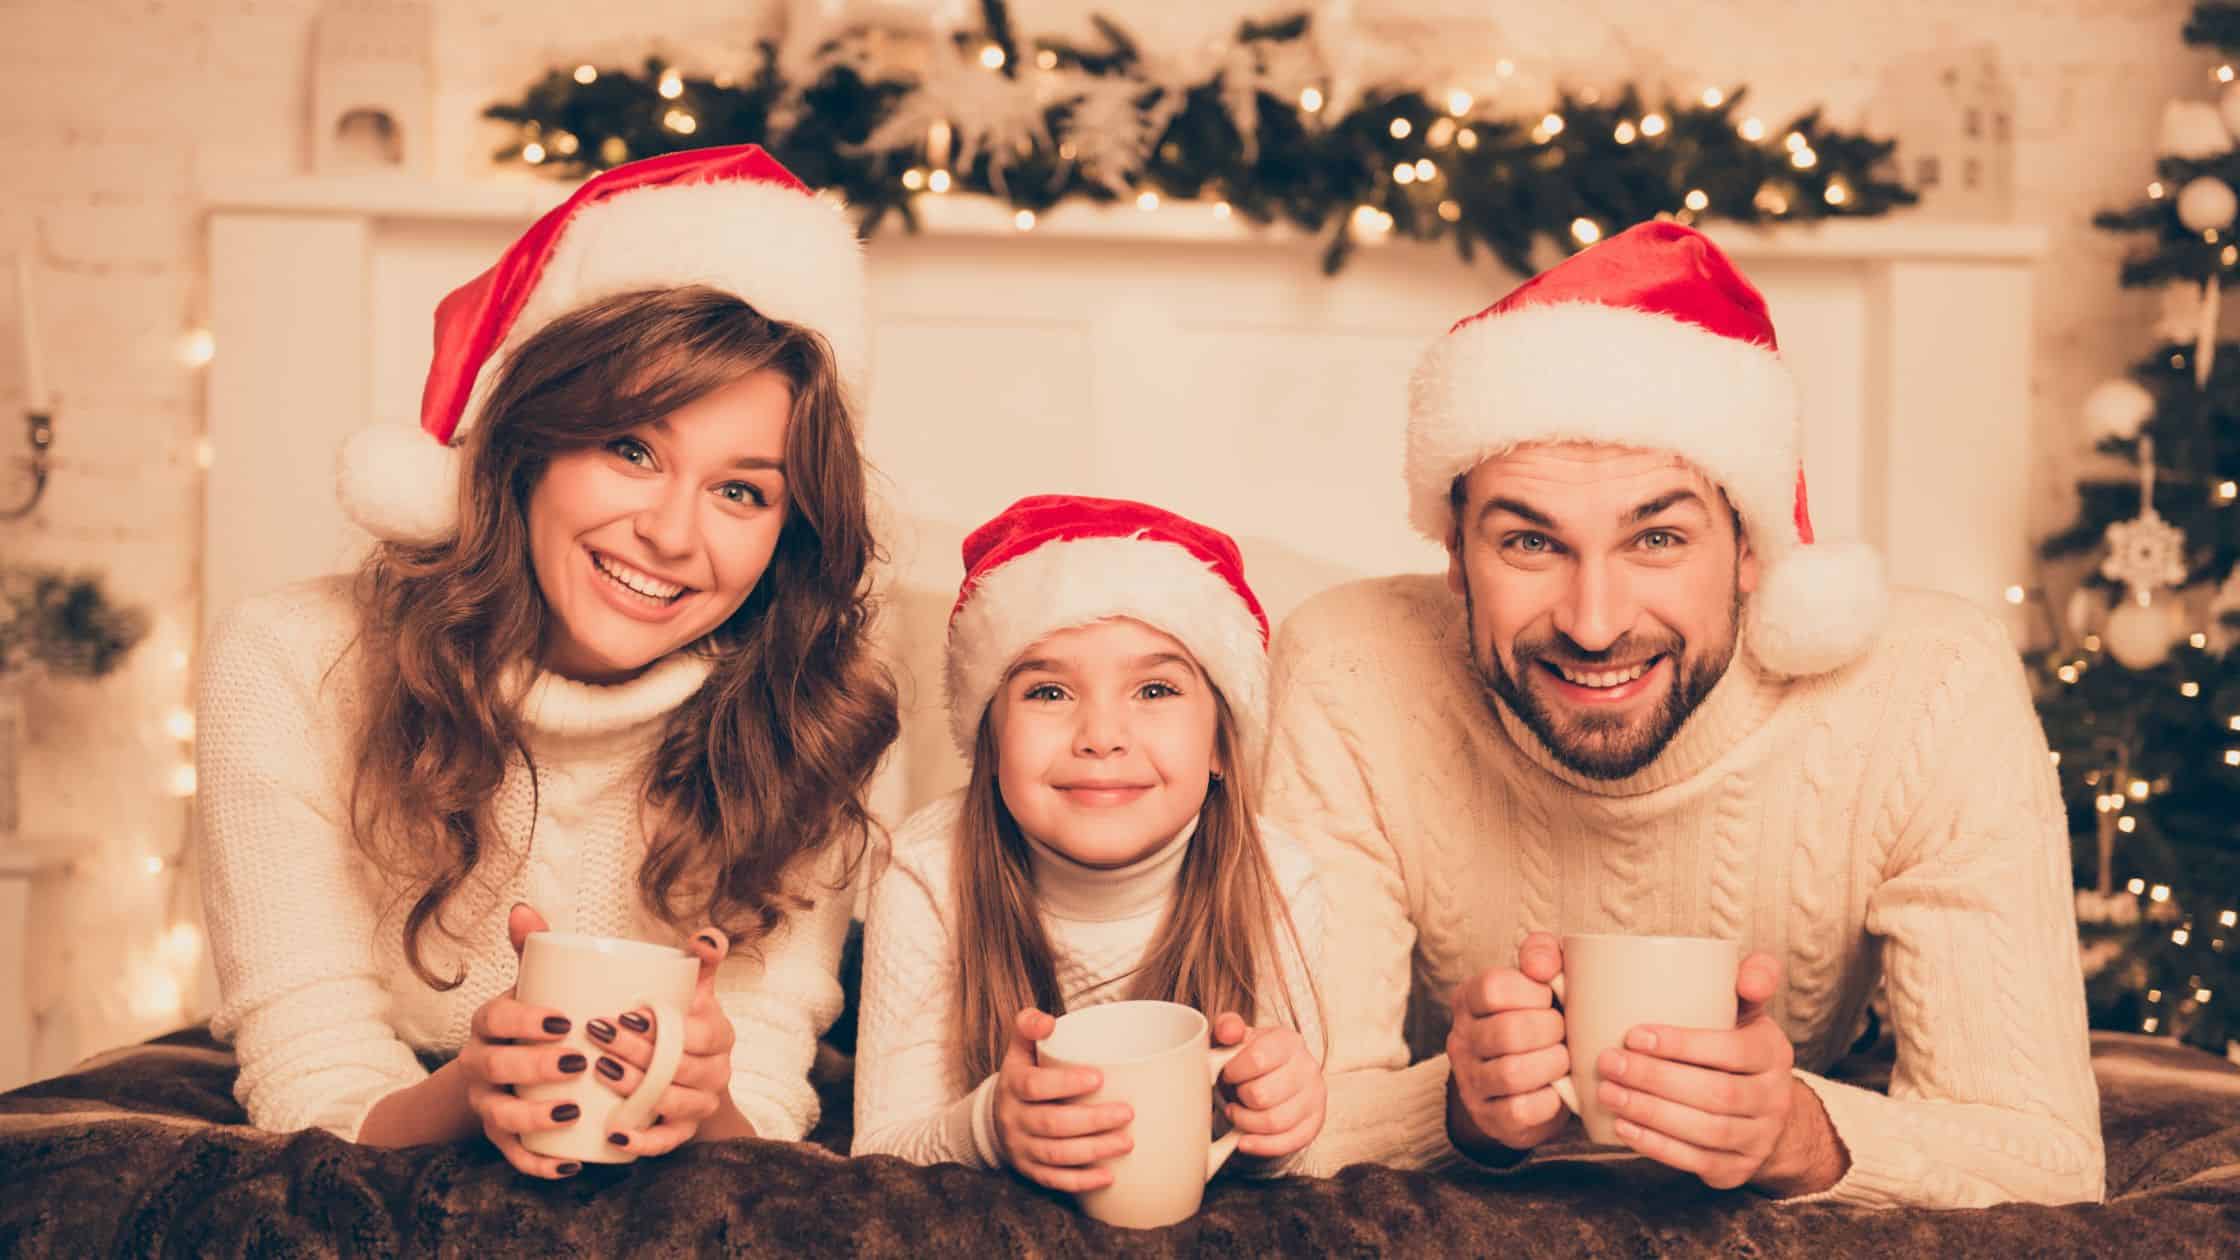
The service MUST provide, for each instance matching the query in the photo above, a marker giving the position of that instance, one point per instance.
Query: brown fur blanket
(142, 1152)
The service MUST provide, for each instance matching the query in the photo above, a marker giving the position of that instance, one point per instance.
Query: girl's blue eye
(744, 492)
(1157, 691)
(632, 450)
(1045, 691)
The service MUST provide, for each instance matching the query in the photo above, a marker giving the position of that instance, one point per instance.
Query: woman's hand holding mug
(702, 1086)
(1041, 1131)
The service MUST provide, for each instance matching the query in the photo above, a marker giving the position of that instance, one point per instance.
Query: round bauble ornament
(2117, 408)
(2207, 204)
(2192, 130)
(2141, 630)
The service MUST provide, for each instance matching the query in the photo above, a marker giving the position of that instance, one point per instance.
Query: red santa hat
(729, 218)
(1053, 562)
(1651, 339)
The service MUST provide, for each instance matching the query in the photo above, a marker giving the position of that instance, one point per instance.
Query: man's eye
(1532, 543)
(1660, 539)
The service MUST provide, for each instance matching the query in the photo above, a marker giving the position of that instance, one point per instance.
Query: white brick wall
(110, 111)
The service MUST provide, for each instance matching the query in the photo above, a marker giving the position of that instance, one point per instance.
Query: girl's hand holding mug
(702, 1087)
(1278, 1085)
(1041, 1131)
(510, 1043)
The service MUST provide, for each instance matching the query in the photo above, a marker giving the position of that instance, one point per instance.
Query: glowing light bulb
(1804, 159)
(1794, 141)
(2232, 756)
(1451, 211)
(1837, 194)
(1624, 132)
(2149, 1024)
(2224, 74)
(913, 179)
(2067, 673)
(1585, 231)
(1221, 209)
(2189, 690)
(2127, 824)
(2198, 639)
(1147, 200)
(2229, 918)
(1024, 220)
(991, 56)
(2016, 594)
(1697, 200)
(938, 182)
(1652, 125)
(2138, 789)
(179, 723)
(566, 143)
(197, 348)
(2228, 490)
(1401, 128)
(1752, 129)
(1466, 139)
(152, 864)
(680, 122)
(1310, 100)
(1713, 98)
(2180, 937)
(587, 74)
(2160, 892)
(2156, 191)
(671, 86)
(1405, 173)
(1459, 102)
(1552, 124)
(182, 782)
(1046, 59)
(532, 153)
(2137, 886)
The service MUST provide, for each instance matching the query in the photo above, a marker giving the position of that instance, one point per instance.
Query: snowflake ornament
(2145, 552)
(988, 112)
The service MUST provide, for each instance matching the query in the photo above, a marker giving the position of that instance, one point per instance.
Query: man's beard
(1603, 746)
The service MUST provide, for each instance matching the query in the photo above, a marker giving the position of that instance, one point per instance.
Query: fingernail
(569, 1169)
(1627, 1129)
(556, 1024)
(711, 940)
(1613, 1095)
(609, 1068)
(600, 1030)
(1641, 1039)
(1617, 1066)
(572, 1063)
(619, 1139)
(636, 1023)
(566, 1111)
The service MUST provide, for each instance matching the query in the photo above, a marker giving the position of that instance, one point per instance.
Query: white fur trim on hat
(400, 484)
(1060, 585)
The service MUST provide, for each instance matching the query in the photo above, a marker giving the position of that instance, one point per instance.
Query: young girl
(1106, 674)
(607, 673)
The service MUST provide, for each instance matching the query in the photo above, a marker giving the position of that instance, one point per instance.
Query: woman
(609, 672)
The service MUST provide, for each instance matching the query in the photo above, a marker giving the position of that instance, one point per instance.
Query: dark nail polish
(566, 1111)
(609, 1068)
(556, 1024)
(619, 1139)
(637, 1023)
(657, 1119)
(711, 940)
(569, 1169)
(600, 1030)
(572, 1063)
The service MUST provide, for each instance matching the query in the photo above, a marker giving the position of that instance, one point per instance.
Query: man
(1643, 701)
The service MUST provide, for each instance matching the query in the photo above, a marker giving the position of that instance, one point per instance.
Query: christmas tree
(2141, 692)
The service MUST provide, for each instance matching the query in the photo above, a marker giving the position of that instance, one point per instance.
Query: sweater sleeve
(910, 1099)
(291, 923)
(1992, 1098)
(1382, 1109)
(780, 999)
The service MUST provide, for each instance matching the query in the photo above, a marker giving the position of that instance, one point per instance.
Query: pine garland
(1476, 178)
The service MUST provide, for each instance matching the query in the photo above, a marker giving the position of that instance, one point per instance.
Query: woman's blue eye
(632, 450)
(744, 492)
(1045, 691)
(1157, 691)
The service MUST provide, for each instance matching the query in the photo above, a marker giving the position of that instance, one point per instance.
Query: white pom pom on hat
(729, 218)
(1651, 339)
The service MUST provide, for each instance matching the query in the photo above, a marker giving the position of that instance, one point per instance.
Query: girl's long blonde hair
(1217, 948)
(763, 767)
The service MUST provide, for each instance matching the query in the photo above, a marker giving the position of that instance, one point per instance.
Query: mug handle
(1217, 1058)
(668, 1054)
(1562, 1085)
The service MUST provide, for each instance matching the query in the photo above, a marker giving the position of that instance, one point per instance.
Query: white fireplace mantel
(1177, 354)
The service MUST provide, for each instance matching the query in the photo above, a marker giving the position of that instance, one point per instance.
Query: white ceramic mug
(1156, 1057)
(1613, 984)
(600, 977)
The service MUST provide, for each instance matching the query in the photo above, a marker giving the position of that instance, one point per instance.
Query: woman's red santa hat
(731, 219)
(1053, 562)
(1651, 339)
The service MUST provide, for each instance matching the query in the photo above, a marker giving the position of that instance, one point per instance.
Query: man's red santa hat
(730, 218)
(1651, 339)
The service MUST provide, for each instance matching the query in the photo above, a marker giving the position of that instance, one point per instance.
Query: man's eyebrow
(1666, 502)
(1517, 508)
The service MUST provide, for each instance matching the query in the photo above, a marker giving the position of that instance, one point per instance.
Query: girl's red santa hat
(1054, 562)
(730, 218)
(1651, 339)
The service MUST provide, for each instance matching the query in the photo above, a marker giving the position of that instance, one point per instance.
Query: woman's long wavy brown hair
(765, 766)
(1215, 950)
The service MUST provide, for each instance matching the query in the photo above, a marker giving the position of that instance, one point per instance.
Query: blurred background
(1184, 252)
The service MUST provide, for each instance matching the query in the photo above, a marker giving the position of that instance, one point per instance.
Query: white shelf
(520, 198)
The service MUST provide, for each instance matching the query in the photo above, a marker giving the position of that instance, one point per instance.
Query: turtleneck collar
(1090, 894)
(1738, 704)
(564, 709)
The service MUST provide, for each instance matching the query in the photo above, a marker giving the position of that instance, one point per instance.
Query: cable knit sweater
(323, 1012)
(911, 1097)
(1898, 820)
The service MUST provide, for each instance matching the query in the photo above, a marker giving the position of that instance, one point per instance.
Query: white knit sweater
(911, 1097)
(323, 1012)
(1896, 821)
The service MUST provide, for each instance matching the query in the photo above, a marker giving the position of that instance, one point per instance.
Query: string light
(2136, 886)
(1697, 200)
(2127, 824)
(2228, 490)
(2161, 892)
(152, 864)
(614, 150)
(1401, 128)
(587, 75)
(2067, 673)
(2156, 191)
(913, 179)
(1310, 100)
(1220, 209)
(991, 56)
(1585, 231)
(1713, 98)
(2154, 995)
(1838, 193)
(2092, 643)
(532, 153)
(1652, 125)
(1451, 211)
(938, 182)
(2198, 639)
(1752, 129)
(1803, 159)
(2189, 690)
(2149, 1024)
(1441, 132)
(680, 122)
(2139, 789)
(2016, 594)
(197, 348)
(1024, 220)
(2229, 919)
(179, 723)
(1426, 170)
(1046, 59)
(566, 143)
(1794, 141)
(2056, 755)
(2180, 937)
(1552, 124)
(2224, 74)
(1371, 222)
(1405, 173)
(2232, 756)
(1459, 102)
(2201, 995)
(1147, 200)
(182, 782)
(671, 86)
(1466, 139)
(2234, 723)
(1624, 132)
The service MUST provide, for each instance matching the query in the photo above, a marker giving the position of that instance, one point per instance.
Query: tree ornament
(2207, 204)
(2088, 606)
(2118, 409)
(2145, 552)
(2142, 629)
(986, 111)
(2193, 130)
